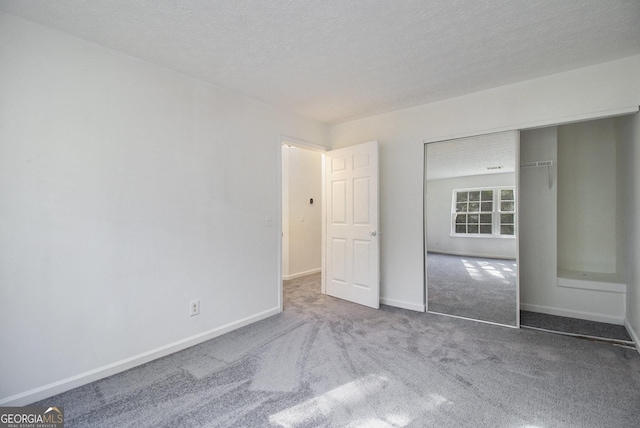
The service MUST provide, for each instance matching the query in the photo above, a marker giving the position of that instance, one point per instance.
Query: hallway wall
(302, 223)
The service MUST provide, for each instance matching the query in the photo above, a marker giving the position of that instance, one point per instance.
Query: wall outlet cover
(194, 307)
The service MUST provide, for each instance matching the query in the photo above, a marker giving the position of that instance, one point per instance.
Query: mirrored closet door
(471, 243)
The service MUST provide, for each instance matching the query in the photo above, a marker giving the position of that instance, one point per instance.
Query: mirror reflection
(470, 227)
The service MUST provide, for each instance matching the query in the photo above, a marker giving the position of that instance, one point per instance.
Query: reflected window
(507, 212)
(486, 212)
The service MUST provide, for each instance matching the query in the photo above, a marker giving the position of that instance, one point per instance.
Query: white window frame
(495, 213)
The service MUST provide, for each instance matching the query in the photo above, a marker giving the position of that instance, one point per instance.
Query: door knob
(373, 233)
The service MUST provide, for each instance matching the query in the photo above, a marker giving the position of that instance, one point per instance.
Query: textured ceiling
(479, 155)
(335, 60)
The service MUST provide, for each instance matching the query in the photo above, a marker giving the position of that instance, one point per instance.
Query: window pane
(461, 218)
(461, 228)
(487, 195)
(486, 206)
(474, 207)
(507, 206)
(506, 218)
(506, 194)
(461, 207)
(472, 228)
(485, 228)
(461, 197)
(485, 218)
(472, 218)
(506, 229)
(474, 196)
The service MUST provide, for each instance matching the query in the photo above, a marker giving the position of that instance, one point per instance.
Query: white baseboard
(300, 274)
(63, 385)
(402, 304)
(590, 316)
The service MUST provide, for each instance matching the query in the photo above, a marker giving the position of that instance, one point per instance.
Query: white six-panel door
(353, 239)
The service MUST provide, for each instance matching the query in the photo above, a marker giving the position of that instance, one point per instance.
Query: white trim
(402, 304)
(323, 238)
(480, 235)
(633, 334)
(541, 123)
(589, 316)
(282, 139)
(425, 288)
(301, 274)
(586, 284)
(63, 385)
(284, 203)
(517, 226)
(279, 219)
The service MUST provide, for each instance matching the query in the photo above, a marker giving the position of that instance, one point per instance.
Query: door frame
(282, 139)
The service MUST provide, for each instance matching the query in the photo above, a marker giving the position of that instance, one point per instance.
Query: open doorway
(346, 180)
(302, 210)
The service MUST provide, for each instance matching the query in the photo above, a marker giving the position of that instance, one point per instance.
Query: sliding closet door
(471, 228)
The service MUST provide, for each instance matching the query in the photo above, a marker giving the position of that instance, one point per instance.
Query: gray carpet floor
(325, 362)
(574, 326)
(472, 287)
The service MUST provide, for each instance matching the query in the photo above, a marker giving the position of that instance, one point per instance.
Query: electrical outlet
(195, 307)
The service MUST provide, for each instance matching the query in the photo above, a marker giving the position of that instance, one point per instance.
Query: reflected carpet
(473, 287)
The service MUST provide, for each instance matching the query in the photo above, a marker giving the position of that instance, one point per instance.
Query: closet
(571, 220)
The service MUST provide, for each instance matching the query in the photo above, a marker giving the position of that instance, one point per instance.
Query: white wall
(303, 225)
(438, 218)
(629, 136)
(126, 190)
(563, 97)
(587, 203)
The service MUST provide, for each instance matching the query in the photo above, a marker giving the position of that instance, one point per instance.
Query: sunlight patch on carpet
(347, 395)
